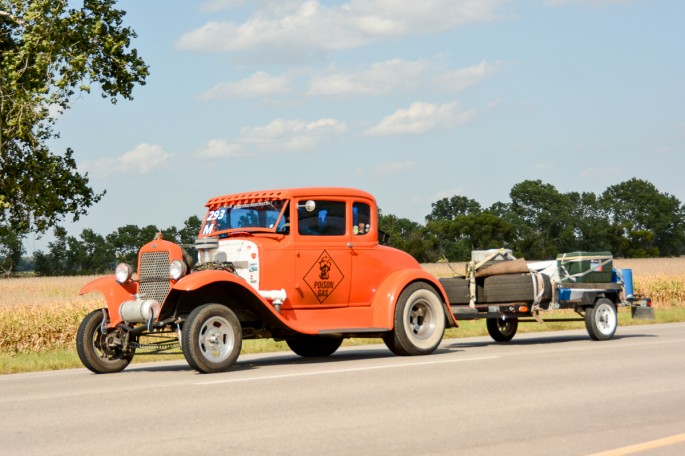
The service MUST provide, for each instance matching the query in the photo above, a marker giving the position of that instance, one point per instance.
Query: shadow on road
(543, 340)
(252, 362)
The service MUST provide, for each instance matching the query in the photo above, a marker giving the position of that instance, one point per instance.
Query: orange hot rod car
(302, 265)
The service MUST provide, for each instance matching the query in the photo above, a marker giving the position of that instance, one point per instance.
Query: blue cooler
(627, 275)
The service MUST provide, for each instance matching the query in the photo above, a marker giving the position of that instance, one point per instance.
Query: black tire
(92, 349)
(601, 319)
(502, 330)
(507, 288)
(212, 338)
(314, 346)
(457, 290)
(419, 322)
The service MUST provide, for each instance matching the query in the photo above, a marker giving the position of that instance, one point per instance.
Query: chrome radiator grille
(154, 276)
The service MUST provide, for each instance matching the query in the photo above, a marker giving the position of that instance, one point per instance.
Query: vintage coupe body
(303, 265)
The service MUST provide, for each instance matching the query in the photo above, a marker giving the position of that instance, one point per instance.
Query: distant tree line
(92, 253)
(631, 219)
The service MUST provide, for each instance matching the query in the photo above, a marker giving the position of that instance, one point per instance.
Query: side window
(362, 218)
(326, 218)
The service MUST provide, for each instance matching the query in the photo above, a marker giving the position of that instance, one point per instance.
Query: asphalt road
(547, 393)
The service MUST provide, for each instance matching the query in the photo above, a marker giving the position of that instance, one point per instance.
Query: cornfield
(43, 314)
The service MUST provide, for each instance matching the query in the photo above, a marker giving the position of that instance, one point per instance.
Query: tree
(411, 237)
(450, 208)
(48, 53)
(544, 218)
(11, 249)
(652, 222)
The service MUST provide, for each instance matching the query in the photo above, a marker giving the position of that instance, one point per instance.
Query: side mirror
(309, 206)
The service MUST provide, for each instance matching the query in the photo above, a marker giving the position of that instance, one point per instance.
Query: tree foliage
(49, 52)
(92, 253)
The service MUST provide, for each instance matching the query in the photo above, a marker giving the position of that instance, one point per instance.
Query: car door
(323, 260)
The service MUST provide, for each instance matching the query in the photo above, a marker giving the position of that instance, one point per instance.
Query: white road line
(651, 445)
(343, 371)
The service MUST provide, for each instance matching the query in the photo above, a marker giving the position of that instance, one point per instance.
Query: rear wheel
(212, 338)
(97, 350)
(419, 322)
(502, 330)
(313, 346)
(601, 319)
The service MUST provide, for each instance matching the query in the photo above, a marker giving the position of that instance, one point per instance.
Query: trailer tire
(314, 346)
(212, 338)
(502, 330)
(601, 319)
(92, 349)
(419, 322)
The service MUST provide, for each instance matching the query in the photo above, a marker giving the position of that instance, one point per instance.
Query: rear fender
(114, 294)
(387, 295)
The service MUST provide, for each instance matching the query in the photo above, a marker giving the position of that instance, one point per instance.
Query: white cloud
(399, 75)
(144, 159)
(378, 79)
(217, 148)
(463, 78)
(259, 84)
(290, 135)
(212, 6)
(295, 30)
(420, 118)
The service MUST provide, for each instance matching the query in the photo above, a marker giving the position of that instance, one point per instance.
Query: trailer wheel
(419, 322)
(313, 346)
(502, 330)
(212, 338)
(93, 348)
(601, 319)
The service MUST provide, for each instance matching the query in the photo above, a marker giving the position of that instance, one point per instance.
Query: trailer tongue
(507, 291)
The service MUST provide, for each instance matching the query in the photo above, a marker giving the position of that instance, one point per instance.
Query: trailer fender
(114, 294)
(385, 299)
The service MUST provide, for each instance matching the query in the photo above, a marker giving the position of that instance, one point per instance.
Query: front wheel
(212, 338)
(313, 346)
(419, 322)
(502, 330)
(601, 320)
(97, 350)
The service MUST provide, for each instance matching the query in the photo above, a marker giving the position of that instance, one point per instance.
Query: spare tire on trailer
(514, 288)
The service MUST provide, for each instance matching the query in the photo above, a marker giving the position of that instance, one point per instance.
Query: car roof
(288, 193)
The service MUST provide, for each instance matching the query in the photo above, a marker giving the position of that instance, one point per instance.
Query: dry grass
(42, 314)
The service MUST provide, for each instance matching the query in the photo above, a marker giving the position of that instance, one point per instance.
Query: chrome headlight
(177, 269)
(123, 273)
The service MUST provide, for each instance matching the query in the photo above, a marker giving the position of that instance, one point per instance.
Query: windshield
(257, 216)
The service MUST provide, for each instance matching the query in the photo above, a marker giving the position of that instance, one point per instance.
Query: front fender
(213, 278)
(385, 299)
(114, 294)
(200, 279)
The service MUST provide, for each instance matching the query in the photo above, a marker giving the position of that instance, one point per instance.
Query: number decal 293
(216, 215)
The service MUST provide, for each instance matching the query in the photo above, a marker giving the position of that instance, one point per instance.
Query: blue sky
(410, 100)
